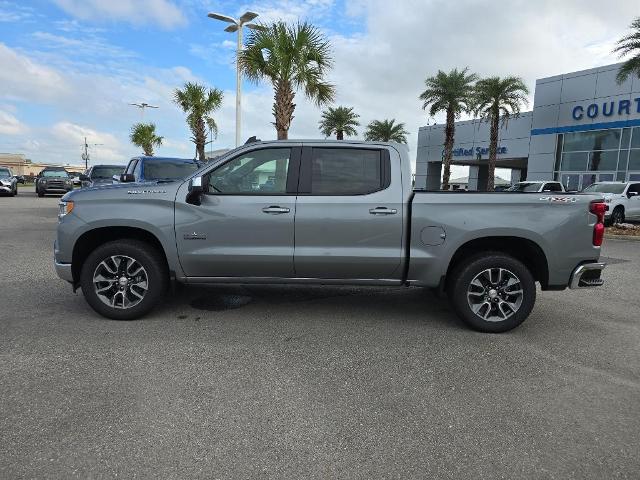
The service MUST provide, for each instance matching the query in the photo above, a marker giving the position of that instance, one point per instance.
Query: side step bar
(587, 275)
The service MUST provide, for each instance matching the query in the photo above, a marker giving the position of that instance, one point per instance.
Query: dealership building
(583, 128)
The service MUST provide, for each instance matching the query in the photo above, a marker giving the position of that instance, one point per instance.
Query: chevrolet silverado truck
(325, 212)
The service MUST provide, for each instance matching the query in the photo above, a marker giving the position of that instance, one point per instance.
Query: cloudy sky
(69, 68)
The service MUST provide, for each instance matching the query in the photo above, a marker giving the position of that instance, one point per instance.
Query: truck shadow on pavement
(406, 305)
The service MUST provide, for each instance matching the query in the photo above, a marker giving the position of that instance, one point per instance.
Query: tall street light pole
(236, 26)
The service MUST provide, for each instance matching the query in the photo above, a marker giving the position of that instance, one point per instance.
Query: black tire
(14, 192)
(617, 216)
(40, 193)
(155, 269)
(462, 293)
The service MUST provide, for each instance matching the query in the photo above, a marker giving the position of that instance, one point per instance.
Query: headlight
(43, 180)
(64, 208)
(67, 182)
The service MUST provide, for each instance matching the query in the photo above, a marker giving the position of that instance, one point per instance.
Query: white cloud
(10, 125)
(12, 12)
(162, 12)
(22, 78)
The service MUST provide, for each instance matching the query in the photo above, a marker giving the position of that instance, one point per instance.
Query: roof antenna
(252, 140)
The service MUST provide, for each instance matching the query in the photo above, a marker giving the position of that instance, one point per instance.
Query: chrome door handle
(275, 210)
(383, 211)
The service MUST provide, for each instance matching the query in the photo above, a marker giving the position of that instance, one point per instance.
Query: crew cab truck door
(244, 224)
(633, 202)
(349, 214)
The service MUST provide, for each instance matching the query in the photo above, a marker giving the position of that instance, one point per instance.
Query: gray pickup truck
(326, 212)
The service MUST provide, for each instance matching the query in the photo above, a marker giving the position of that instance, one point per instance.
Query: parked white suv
(622, 199)
(536, 186)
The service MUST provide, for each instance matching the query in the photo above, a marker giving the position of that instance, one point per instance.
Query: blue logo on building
(593, 110)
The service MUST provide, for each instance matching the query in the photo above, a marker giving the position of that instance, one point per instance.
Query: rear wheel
(492, 292)
(124, 279)
(617, 216)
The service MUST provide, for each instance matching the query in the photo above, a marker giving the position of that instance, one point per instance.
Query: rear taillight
(598, 208)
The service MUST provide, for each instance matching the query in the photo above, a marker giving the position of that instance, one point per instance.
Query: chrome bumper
(587, 275)
(64, 271)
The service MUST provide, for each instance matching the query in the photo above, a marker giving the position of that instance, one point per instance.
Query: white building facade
(584, 127)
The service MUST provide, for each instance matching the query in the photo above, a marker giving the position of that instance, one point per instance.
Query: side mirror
(84, 178)
(127, 177)
(196, 189)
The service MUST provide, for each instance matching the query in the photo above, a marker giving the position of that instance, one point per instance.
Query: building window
(595, 140)
(575, 161)
(599, 161)
(635, 138)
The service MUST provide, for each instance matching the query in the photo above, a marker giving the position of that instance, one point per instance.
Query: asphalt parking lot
(282, 382)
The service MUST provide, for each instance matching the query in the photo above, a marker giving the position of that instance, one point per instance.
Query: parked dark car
(100, 175)
(53, 180)
(157, 169)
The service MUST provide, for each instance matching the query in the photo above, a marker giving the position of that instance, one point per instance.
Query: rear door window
(346, 171)
(553, 187)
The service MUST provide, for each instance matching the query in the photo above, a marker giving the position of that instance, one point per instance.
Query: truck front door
(244, 225)
(349, 214)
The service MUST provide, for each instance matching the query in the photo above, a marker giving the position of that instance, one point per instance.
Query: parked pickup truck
(326, 212)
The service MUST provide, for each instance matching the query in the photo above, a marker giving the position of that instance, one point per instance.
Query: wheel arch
(525, 250)
(92, 239)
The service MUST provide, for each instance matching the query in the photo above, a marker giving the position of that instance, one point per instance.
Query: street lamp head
(247, 17)
(255, 26)
(224, 18)
(231, 28)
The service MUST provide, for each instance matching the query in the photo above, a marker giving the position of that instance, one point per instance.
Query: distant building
(584, 128)
(21, 165)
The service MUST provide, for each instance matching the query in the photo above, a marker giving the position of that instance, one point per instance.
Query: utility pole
(85, 154)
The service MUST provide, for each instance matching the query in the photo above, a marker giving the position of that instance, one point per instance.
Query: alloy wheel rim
(495, 294)
(120, 282)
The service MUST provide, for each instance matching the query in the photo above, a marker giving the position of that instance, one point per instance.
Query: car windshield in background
(524, 187)
(168, 169)
(605, 188)
(4, 172)
(55, 173)
(106, 172)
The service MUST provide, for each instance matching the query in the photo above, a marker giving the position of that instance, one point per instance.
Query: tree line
(296, 58)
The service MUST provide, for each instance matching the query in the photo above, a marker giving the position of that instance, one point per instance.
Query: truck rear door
(349, 213)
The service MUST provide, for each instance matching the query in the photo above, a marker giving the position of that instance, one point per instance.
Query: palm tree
(629, 44)
(386, 131)
(496, 100)
(340, 120)
(291, 57)
(451, 93)
(143, 135)
(199, 102)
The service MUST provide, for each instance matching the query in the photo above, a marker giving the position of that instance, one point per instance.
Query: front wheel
(492, 292)
(124, 279)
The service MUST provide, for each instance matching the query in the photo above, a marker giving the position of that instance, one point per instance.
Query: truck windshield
(4, 172)
(54, 173)
(106, 172)
(524, 187)
(168, 169)
(606, 188)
